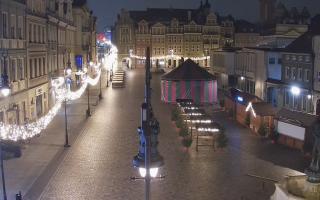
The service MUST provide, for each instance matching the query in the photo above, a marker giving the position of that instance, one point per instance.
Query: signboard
(290, 130)
(79, 61)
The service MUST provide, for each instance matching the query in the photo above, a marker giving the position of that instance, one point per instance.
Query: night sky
(107, 10)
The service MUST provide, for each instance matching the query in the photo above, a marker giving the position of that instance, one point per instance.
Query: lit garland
(15, 132)
(250, 107)
(169, 57)
(212, 130)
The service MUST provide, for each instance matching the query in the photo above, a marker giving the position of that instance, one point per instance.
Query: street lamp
(67, 77)
(5, 91)
(295, 90)
(100, 90)
(148, 159)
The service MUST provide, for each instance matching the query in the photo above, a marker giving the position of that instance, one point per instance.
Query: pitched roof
(264, 109)
(302, 44)
(163, 15)
(188, 70)
(297, 118)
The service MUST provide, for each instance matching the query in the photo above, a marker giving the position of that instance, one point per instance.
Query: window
(20, 70)
(13, 71)
(300, 74)
(44, 65)
(286, 97)
(307, 58)
(5, 25)
(13, 26)
(30, 32)
(279, 61)
(20, 27)
(293, 73)
(272, 61)
(287, 72)
(31, 68)
(307, 75)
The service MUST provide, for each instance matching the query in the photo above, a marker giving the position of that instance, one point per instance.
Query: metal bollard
(19, 196)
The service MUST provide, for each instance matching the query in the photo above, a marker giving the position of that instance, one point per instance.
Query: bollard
(19, 196)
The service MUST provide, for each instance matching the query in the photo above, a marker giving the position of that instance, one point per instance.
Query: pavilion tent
(189, 81)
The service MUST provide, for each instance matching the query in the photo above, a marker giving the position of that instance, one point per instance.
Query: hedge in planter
(175, 114)
(184, 130)
(263, 130)
(187, 141)
(222, 140)
(179, 122)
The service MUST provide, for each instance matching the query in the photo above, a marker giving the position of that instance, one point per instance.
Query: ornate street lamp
(67, 77)
(148, 159)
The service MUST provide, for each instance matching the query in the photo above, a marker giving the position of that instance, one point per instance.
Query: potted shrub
(184, 130)
(222, 140)
(175, 114)
(263, 130)
(179, 122)
(187, 141)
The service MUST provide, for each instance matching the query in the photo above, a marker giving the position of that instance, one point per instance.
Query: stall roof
(295, 117)
(188, 70)
(264, 109)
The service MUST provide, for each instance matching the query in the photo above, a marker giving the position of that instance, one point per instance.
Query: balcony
(38, 81)
(12, 44)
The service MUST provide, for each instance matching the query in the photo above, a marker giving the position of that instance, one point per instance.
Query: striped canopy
(199, 91)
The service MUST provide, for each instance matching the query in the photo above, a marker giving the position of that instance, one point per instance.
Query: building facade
(85, 34)
(171, 34)
(37, 40)
(13, 61)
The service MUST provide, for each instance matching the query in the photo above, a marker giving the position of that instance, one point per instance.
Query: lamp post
(5, 91)
(88, 112)
(100, 90)
(67, 76)
(148, 159)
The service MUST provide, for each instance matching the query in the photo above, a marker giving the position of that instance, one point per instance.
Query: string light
(250, 107)
(14, 132)
(169, 57)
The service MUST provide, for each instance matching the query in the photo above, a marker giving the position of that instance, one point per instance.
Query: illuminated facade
(171, 34)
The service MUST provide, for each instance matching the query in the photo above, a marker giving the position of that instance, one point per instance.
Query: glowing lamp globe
(295, 90)
(153, 172)
(5, 91)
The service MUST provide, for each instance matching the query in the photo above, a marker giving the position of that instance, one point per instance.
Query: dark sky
(107, 10)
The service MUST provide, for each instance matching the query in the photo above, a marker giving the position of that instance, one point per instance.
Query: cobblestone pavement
(99, 163)
(41, 155)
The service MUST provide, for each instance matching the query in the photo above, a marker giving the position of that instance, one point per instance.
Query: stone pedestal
(296, 188)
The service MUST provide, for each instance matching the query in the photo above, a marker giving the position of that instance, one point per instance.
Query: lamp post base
(88, 113)
(67, 145)
(100, 96)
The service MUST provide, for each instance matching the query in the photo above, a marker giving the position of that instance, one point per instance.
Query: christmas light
(14, 132)
(169, 57)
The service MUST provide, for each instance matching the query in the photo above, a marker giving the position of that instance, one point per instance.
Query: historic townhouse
(37, 58)
(85, 34)
(13, 61)
(171, 34)
(61, 32)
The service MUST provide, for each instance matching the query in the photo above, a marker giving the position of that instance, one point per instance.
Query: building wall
(171, 39)
(13, 59)
(298, 71)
